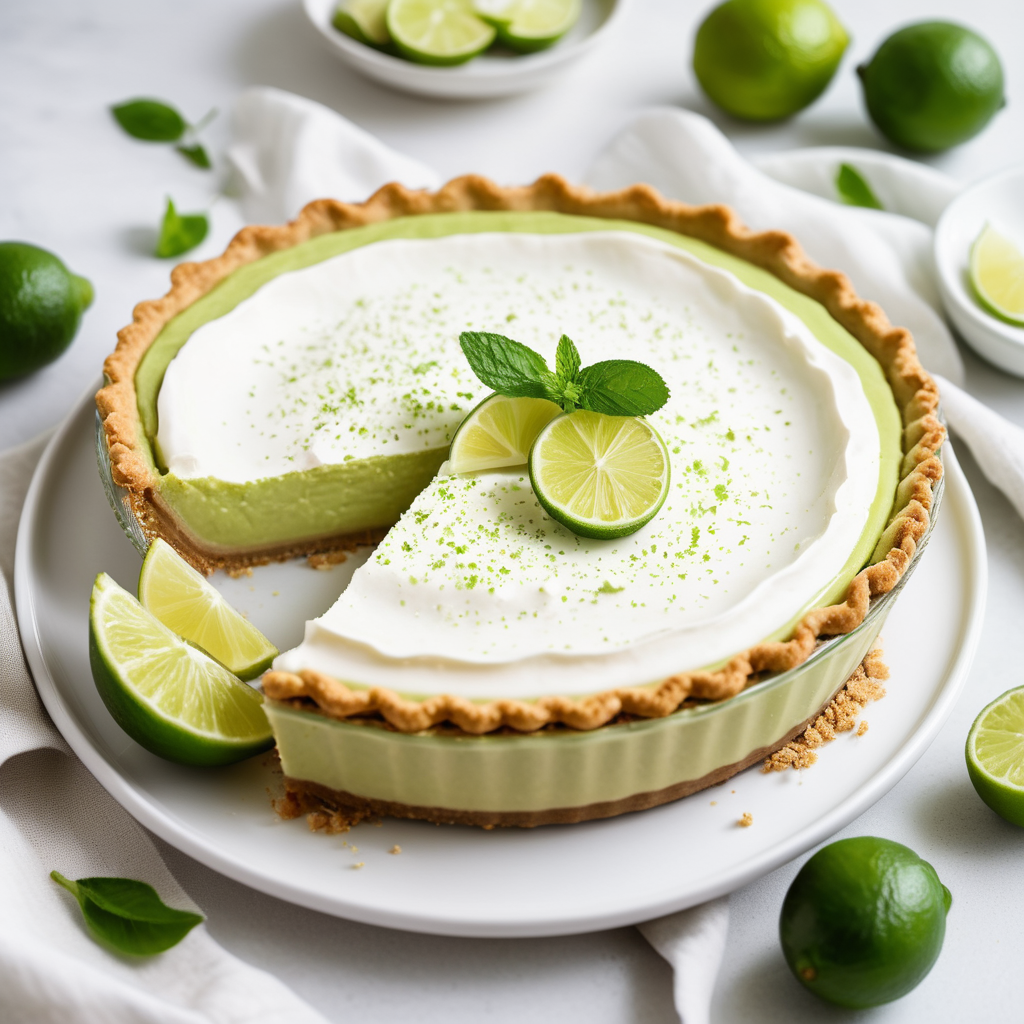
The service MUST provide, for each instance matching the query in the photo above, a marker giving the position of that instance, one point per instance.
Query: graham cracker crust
(335, 810)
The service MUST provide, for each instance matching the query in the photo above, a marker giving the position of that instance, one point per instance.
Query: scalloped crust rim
(915, 392)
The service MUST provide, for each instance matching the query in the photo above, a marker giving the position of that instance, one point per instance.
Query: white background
(72, 182)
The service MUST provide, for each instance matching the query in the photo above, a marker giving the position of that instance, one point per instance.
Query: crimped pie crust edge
(778, 252)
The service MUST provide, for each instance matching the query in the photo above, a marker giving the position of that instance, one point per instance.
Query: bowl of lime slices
(979, 257)
(462, 49)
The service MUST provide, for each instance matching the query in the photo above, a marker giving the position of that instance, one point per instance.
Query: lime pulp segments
(530, 25)
(190, 607)
(997, 274)
(442, 32)
(363, 20)
(166, 694)
(499, 433)
(995, 755)
(600, 476)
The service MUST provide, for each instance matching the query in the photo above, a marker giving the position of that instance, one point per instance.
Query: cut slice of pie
(487, 665)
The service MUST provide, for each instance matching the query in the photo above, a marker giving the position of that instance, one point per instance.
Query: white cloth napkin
(55, 815)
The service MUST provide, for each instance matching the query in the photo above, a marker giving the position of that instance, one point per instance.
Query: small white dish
(998, 200)
(489, 75)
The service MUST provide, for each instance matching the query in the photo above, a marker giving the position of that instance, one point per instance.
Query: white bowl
(1000, 201)
(490, 74)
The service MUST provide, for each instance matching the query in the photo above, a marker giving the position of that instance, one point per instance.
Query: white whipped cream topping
(775, 459)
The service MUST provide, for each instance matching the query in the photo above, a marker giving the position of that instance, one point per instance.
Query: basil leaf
(196, 155)
(150, 120)
(622, 387)
(127, 915)
(180, 232)
(506, 366)
(854, 190)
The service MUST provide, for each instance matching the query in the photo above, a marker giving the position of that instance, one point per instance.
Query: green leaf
(128, 916)
(854, 190)
(622, 387)
(180, 232)
(195, 154)
(567, 360)
(150, 120)
(508, 367)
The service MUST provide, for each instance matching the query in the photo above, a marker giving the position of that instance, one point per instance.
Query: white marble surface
(69, 180)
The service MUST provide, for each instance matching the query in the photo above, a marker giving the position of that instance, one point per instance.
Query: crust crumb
(319, 816)
(746, 821)
(863, 727)
(238, 571)
(326, 559)
(863, 687)
(395, 849)
(356, 867)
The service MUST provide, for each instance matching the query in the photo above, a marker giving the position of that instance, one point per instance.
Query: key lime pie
(488, 665)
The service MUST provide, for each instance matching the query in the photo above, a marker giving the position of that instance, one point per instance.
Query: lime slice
(995, 755)
(499, 433)
(529, 25)
(438, 31)
(187, 605)
(166, 694)
(363, 20)
(600, 476)
(997, 274)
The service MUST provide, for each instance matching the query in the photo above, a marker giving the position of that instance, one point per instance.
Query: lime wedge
(166, 694)
(499, 433)
(600, 476)
(995, 755)
(997, 274)
(529, 25)
(363, 20)
(187, 605)
(438, 31)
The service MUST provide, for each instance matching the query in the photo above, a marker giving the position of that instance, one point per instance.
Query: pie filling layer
(319, 394)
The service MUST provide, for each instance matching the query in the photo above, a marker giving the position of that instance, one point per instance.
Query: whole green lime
(932, 85)
(863, 921)
(764, 60)
(41, 306)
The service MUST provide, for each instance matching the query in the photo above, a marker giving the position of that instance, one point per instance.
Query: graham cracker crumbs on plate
(395, 849)
(356, 867)
(863, 687)
(863, 727)
(714, 803)
(326, 561)
(746, 821)
(240, 570)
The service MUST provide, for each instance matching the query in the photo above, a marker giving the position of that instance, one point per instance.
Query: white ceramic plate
(464, 881)
(491, 74)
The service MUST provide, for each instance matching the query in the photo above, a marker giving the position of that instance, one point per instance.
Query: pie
(485, 665)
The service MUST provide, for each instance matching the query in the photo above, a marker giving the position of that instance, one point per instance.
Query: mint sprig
(180, 232)
(854, 190)
(152, 120)
(127, 915)
(615, 387)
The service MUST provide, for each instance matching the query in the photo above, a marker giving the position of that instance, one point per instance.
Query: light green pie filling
(371, 493)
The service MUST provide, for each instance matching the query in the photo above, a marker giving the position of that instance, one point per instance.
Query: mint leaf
(506, 366)
(150, 120)
(180, 232)
(567, 360)
(622, 387)
(195, 154)
(128, 916)
(854, 190)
